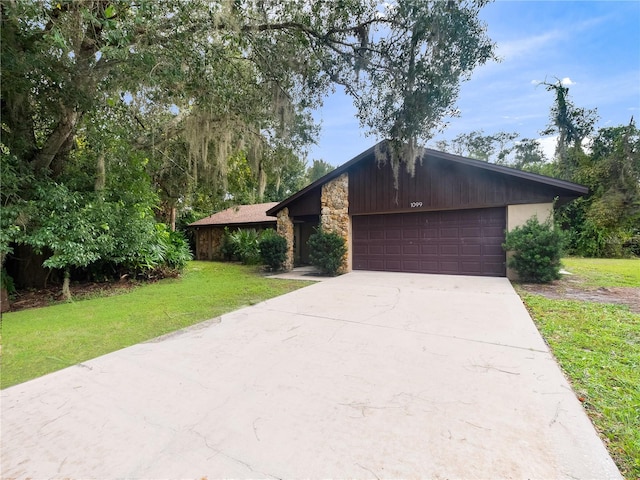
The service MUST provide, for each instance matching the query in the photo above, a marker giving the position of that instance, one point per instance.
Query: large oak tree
(189, 84)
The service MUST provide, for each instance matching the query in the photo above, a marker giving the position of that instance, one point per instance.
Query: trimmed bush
(273, 249)
(537, 248)
(327, 251)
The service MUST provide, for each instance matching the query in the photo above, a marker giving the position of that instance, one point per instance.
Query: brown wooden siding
(308, 204)
(437, 185)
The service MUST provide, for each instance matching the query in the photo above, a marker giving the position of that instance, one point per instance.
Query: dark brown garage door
(461, 242)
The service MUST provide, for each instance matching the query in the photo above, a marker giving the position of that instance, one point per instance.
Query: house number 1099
(416, 204)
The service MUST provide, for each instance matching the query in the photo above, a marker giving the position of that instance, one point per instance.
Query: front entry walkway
(368, 375)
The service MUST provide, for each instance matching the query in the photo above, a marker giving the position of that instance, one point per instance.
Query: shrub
(243, 245)
(178, 251)
(537, 248)
(327, 251)
(273, 249)
(165, 255)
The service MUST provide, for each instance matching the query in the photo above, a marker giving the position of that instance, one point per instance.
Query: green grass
(605, 272)
(43, 340)
(598, 347)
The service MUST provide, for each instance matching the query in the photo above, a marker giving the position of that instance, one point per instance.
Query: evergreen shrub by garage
(273, 249)
(326, 251)
(537, 249)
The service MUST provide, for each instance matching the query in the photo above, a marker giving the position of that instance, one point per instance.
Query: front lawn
(598, 347)
(605, 272)
(43, 340)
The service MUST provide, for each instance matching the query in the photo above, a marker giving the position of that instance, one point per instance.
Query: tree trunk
(4, 300)
(101, 175)
(66, 291)
(172, 218)
(55, 141)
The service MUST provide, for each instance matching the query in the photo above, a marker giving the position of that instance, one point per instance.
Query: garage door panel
(494, 232)
(471, 232)
(449, 232)
(495, 250)
(428, 265)
(411, 233)
(474, 250)
(411, 265)
(429, 233)
(472, 268)
(429, 250)
(392, 265)
(376, 265)
(411, 249)
(376, 249)
(451, 268)
(449, 250)
(393, 234)
(465, 242)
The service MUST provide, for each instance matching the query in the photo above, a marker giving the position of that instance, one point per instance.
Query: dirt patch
(571, 287)
(44, 297)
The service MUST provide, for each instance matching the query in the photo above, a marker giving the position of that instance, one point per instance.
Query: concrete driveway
(368, 375)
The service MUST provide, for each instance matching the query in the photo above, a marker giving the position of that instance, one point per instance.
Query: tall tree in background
(572, 125)
(318, 169)
(493, 148)
(180, 87)
(606, 221)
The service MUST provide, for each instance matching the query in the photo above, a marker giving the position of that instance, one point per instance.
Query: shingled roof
(240, 215)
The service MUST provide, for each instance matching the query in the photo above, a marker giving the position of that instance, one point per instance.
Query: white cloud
(525, 46)
(566, 81)
(548, 145)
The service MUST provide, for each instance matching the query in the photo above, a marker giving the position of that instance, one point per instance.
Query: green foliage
(168, 251)
(327, 251)
(605, 223)
(71, 225)
(117, 112)
(273, 249)
(536, 248)
(243, 245)
(572, 124)
(318, 169)
(6, 282)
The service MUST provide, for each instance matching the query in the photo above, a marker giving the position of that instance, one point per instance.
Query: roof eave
(329, 176)
(222, 224)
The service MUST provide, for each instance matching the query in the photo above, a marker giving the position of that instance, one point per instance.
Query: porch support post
(284, 226)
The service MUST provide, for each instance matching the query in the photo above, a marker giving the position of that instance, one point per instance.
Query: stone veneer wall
(284, 226)
(334, 213)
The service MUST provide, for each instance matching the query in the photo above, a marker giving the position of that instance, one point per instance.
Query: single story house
(450, 217)
(209, 231)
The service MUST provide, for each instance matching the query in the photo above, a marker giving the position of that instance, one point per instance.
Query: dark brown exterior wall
(436, 185)
(308, 204)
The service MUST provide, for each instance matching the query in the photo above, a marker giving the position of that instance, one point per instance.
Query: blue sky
(593, 45)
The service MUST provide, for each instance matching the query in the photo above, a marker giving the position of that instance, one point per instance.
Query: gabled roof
(240, 215)
(570, 187)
